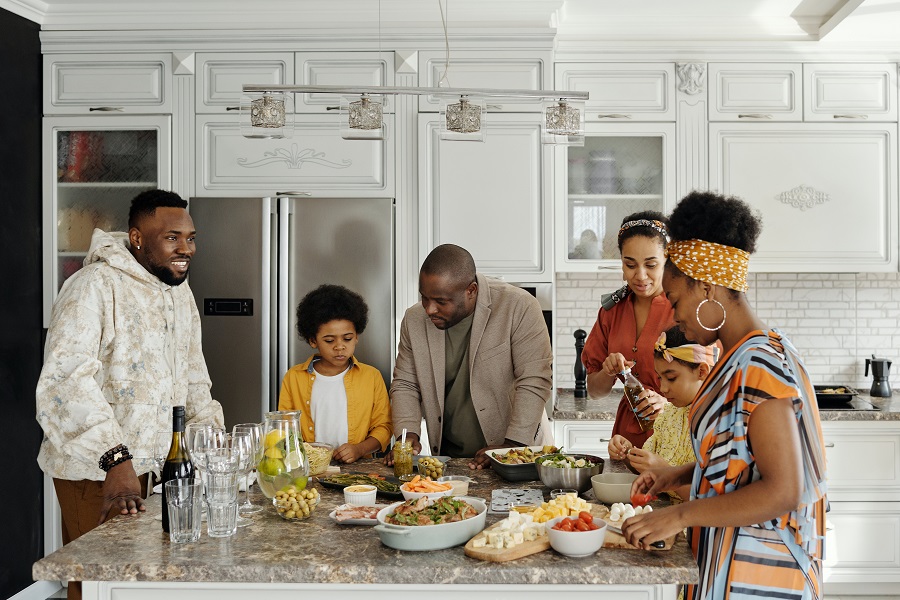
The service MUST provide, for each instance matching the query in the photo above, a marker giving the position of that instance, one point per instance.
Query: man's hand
(348, 453)
(483, 461)
(121, 492)
(413, 438)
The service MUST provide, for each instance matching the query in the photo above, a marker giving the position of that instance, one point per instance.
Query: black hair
(329, 303)
(146, 203)
(451, 260)
(644, 230)
(674, 338)
(711, 217)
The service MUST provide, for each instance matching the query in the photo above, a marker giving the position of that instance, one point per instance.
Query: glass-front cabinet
(94, 167)
(621, 169)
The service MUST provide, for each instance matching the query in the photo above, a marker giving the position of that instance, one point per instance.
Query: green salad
(562, 461)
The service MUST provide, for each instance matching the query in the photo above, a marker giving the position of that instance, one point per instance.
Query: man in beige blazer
(474, 360)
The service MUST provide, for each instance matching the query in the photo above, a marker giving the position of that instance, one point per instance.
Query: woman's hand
(644, 460)
(618, 447)
(644, 529)
(615, 363)
(662, 480)
(651, 405)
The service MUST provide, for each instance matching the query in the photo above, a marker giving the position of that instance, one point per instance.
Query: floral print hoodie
(122, 349)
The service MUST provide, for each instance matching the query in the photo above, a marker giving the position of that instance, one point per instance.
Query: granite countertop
(569, 408)
(317, 550)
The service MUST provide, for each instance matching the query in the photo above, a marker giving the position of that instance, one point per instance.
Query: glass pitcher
(284, 458)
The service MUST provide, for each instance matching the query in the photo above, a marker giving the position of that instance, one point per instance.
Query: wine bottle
(178, 463)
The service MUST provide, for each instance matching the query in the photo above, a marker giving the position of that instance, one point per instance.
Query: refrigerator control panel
(228, 307)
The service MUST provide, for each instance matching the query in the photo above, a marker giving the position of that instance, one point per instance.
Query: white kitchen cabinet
(622, 92)
(219, 76)
(501, 69)
(488, 197)
(315, 159)
(850, 92)
(93, 167)
(589, 437)
(341, 68)
(827, 193)
(862, 551)
(755, 92)
(77, 84)
(621, 169)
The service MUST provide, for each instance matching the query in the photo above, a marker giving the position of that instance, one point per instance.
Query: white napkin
(157, 489)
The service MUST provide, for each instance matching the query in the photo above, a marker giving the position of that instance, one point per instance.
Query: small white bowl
(576, 543)
(460, 483)
(416, 495)
(360, 495)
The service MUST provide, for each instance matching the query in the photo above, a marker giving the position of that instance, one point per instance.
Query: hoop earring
(724, 315)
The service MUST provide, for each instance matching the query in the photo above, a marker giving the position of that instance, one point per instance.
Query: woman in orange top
(628, 325)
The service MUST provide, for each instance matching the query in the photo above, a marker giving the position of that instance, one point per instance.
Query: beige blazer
(509, 368)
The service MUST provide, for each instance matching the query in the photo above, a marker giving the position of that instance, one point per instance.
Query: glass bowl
(292, 504)
(318, 454)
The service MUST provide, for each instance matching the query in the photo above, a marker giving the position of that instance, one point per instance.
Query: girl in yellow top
(682, 368)
(343, 402)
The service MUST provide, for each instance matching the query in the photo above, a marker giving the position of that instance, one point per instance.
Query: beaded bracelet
(114, 456)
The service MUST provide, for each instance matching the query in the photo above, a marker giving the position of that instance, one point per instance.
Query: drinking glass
(256, 453)
(222, 467)
(240, 446)
(205, 439)
(185, 508)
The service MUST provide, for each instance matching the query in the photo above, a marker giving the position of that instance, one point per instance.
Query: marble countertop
(317, 550)
(569, 408)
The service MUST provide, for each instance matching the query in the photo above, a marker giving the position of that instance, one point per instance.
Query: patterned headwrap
(692, 353)
(654, 224)
(710, 262)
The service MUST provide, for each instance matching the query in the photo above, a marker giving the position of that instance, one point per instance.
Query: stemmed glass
(205, 438)
(162, 441)
(241, 447)
(254, 430)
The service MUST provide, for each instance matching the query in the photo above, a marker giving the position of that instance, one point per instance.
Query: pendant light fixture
(267, 114)
(362, 117)
(462, 120)
(563, 122)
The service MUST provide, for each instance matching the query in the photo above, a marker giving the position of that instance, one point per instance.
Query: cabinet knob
(494, 107)
(106, 109)
(613, 116)
(232, 108)
(829, 445)
(332, 108)
(863, 117)
(754, 116)
(289, 193)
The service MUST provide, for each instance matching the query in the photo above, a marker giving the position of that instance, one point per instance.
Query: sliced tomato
(586, 516)
(641, 499)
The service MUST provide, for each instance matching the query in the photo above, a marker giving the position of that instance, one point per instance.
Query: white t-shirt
(329, 408)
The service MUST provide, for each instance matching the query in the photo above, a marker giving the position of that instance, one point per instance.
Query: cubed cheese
(479, 542)
(518, 537)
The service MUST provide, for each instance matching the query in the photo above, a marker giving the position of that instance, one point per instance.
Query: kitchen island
(131, 558)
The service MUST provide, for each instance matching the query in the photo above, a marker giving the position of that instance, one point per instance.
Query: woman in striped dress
(756, 519)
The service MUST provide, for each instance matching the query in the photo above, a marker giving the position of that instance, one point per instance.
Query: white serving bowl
(360, 495)
(576, 543)
(613, 487)
(415, 495)
(430, 537)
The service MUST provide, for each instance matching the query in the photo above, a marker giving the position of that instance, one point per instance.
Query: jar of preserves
(403, 462)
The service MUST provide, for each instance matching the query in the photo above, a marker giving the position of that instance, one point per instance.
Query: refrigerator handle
(272, 382)
(285, 229)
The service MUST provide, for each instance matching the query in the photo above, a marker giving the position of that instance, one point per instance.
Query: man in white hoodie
(122, 349)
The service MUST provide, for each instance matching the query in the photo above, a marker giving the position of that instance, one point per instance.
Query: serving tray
(828, 396)
(329, 483)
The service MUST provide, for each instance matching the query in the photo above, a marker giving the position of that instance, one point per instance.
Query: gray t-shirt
(462, 435)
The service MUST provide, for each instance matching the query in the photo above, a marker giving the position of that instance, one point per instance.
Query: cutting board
(617, 540)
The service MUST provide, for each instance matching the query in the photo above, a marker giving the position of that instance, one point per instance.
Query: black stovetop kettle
(881, 370)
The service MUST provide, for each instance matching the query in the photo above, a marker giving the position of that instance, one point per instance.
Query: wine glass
(256, 450)
(162, 441)
(241, 446)
(205, 438)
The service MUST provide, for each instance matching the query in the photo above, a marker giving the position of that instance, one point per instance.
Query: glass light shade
(463, 120)
(563, 123)
(362, 117)
(267, 115)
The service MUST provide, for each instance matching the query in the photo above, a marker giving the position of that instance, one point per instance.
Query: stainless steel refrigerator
(256, 258)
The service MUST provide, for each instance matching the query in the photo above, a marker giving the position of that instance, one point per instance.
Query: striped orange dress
(781, 558)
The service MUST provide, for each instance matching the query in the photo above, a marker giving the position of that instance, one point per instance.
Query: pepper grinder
(580, 371)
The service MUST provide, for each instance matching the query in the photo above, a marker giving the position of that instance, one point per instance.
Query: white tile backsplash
(835, 320)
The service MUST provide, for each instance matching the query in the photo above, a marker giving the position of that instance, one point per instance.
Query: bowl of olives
(295, 504)
(430, 466)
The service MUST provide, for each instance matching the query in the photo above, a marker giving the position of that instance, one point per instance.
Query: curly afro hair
(715, 218)
(146, 203)
(330, 303)
(643, 230)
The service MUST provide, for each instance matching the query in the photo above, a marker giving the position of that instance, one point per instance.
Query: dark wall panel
(21, 501)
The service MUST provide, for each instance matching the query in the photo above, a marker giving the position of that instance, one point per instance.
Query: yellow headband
(710, 262)
(692, 353)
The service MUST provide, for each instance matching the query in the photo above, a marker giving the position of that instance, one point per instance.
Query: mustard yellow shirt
(671, 438)
(368, 407)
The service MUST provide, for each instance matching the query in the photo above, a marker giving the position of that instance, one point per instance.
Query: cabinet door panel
(316, 158)
(827, 193)
(836, 92)
(634, 92)
(220, 76)
(487, 197)
(591, 436)
(503, 70)
(74, 84)
(862, 543)
(742, 92)
(341, 68)
(877, 477)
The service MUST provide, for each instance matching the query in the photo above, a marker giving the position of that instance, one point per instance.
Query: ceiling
(602, 20)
